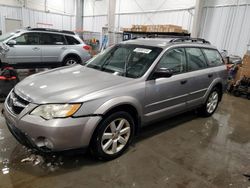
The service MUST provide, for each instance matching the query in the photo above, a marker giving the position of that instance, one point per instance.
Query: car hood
(65, 85)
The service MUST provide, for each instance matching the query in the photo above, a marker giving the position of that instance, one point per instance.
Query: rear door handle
(210, 75)
(183, 82)
(36, 48)
(63, 48)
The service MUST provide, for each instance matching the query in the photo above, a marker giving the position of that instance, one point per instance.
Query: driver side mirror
(162, 73)
(11, 42)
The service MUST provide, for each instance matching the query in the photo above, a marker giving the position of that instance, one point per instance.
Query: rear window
(72, 40)
(213, 57)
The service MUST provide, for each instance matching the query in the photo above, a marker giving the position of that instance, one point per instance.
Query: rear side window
(213, 57)
(52, 39)
(72, 40)
(174, 60)
(196, 59)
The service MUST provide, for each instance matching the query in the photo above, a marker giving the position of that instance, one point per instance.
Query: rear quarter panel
(77, 50)
(220, 78)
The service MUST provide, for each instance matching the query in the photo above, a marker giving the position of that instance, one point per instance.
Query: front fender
(112, 103)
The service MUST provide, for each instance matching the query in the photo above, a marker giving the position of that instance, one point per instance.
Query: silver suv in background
(39, 47)
(102, 104)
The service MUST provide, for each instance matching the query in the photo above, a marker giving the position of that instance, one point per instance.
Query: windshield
(5, 36)
(127, 60)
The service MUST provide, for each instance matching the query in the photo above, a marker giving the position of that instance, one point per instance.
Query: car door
(26, 50)
(200, 76)
(166, 96)
(53, 46)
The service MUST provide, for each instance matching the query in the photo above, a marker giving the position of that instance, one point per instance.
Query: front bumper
(63, 133)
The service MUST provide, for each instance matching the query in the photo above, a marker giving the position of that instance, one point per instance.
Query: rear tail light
(6, 78)
(86, 47)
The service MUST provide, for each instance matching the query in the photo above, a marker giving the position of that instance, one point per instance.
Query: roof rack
(52, 30)
(183, 39)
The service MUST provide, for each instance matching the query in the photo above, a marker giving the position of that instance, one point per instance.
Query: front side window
(213, 57)
(125, 60)
(28, 39)
(174, 60)
(196, 59)
(52, 39)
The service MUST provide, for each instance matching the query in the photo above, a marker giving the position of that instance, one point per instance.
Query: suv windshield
(6, 36)
(127, 60)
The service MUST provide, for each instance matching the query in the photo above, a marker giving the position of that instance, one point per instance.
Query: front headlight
(50, 111)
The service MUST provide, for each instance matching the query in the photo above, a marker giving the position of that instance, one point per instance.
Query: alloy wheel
(212, 102)
(70, 62)
(115, 136)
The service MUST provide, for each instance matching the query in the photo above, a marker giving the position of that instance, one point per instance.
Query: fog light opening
(48, 143)
(42, 142)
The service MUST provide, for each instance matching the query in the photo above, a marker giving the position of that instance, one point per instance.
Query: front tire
(211, 103)
(112, 136)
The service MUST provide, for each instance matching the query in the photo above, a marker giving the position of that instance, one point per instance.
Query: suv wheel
(113, 136)
(70, 61)
(211, 104)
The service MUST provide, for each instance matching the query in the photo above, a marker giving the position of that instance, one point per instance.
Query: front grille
(15, 103)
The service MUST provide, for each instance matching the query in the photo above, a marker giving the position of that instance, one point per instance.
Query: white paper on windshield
(142, 50)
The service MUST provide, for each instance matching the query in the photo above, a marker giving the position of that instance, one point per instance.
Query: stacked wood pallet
(244, 70)
(156, 28)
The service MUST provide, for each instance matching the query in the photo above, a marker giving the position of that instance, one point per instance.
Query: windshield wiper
(93, 66)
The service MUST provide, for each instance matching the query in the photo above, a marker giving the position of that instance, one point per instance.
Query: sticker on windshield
(142, 50)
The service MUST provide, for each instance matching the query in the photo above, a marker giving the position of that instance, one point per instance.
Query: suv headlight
(50, 111)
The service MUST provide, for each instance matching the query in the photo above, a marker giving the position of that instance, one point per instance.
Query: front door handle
(210, 75)
(36, 48)
(183, 82)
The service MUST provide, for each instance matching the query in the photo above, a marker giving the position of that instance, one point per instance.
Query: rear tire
(112, 136)
(211, 103)
(71, 61)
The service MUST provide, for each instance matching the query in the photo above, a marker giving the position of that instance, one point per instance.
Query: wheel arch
(218, 83)
(130, 109)
(219, 86)
(127, 104)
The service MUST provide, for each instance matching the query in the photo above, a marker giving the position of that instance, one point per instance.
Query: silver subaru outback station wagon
(40, 47)
(101, 104)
